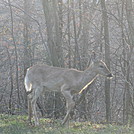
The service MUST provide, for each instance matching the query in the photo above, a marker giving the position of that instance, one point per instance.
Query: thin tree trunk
(69, 39)
(130, 20)
(107, 60)
(77, 60)
(16, 55)
(27, 61)
(11, 82)
(85, 35)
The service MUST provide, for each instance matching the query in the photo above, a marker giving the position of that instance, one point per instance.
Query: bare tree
(107, 59)
(128, 99)
(27, 51)
(15, 48)
(53, 19)
(53, 31)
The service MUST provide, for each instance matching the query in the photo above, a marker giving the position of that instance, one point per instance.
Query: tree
(54, 41)
(107, 59)
(27, 52)
(53, 31)
(16, 54)
(128, 98)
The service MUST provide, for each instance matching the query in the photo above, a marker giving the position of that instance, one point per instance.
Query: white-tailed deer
(68, 81)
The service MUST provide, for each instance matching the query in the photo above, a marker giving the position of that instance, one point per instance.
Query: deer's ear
(96, 57)
(93, 57)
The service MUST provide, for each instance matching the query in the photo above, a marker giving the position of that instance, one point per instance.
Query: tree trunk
(53, 31)
(27, 52)
(130, 41)
(77, 60)
(69, 38)
(16, 54)
(11, 82)
(107, 60)
(54, 35)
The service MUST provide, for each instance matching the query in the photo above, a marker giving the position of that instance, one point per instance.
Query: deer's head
(102, 69)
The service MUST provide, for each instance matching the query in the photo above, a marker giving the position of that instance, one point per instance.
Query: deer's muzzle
(109, 75)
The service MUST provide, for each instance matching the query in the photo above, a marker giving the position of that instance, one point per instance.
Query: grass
(10, 124)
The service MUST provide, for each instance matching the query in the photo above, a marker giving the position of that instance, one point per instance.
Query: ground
(12, 124)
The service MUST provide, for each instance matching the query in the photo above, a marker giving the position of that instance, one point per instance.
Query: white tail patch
(28, 85)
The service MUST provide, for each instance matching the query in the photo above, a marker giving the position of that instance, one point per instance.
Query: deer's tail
(28, 85)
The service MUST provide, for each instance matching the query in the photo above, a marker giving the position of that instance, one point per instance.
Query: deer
(40, 78)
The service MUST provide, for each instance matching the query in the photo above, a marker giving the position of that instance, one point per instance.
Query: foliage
(12, 124)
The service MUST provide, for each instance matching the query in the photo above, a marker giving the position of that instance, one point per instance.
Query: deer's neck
(88, 76)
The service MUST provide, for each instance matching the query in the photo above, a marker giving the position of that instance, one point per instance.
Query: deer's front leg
(69, 103)
(29, 110)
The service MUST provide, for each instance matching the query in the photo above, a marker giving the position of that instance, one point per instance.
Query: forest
(65, 33)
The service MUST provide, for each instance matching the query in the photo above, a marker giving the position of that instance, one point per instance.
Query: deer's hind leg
(29, 110)
(69, 103)
(36, 93)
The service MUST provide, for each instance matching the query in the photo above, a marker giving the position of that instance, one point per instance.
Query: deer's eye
(101, 66)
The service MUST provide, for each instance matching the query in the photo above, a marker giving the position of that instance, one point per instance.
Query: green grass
(19, 125)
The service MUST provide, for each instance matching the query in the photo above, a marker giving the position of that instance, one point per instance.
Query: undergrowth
(12, 124)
